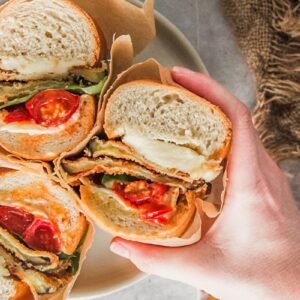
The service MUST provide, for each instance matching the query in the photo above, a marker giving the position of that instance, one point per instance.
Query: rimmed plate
(103, 272)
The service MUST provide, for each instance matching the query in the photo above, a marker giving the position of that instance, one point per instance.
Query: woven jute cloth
(268, 33)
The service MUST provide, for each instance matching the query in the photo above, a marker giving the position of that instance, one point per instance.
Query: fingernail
(178, 69)
(119, 249)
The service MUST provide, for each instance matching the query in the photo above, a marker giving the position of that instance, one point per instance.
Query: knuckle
(244, 112)
(244, 117)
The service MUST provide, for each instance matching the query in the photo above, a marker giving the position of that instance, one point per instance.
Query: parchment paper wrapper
(119, 17)
(44, 169)
(208, 207)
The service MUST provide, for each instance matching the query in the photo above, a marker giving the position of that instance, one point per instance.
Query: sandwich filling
(41, 230)
(154, 198)
(154, 202)
(47, 104)
(33, 249)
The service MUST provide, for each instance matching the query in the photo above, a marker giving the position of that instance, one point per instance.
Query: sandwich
(160, 149)
(54, 66)
(50, 77)
(43, 234)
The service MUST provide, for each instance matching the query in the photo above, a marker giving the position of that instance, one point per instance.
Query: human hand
(253, 249)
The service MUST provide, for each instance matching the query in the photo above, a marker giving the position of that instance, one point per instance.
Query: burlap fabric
(268, 33)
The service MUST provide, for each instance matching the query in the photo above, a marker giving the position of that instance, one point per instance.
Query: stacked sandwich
(160, 148)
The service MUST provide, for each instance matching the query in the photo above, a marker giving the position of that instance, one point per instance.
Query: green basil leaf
(75, 262)
(90, 90)
(17, 100)
(76, 88)
(108, 180)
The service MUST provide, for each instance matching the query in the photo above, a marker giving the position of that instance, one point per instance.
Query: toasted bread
(40, 143)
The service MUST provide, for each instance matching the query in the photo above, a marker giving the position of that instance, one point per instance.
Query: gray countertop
(203, 23)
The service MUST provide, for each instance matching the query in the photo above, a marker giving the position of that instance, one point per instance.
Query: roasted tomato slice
(41, 236)
(52, 108)
(18, 115)
(15, 220)
(159, 215)
(140, 192)
(148, 198)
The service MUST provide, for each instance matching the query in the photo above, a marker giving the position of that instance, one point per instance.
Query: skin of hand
(252, 251)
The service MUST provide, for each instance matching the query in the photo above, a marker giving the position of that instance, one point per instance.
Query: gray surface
(202, 22)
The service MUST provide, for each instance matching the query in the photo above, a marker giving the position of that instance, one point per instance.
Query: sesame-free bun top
(45, 38)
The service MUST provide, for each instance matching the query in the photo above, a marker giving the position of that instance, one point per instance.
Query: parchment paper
(119, 17)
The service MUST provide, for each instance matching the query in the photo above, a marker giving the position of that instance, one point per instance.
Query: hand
(253, 249)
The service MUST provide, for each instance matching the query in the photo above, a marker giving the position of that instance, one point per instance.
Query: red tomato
(147, 197)
(52, 107)
(160, 216)
(18, 115)
(41, 236)
(140, 192)
(15, 220)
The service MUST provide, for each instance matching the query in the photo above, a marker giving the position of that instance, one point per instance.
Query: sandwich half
(50, 77)
(43, 234)
(162, 146)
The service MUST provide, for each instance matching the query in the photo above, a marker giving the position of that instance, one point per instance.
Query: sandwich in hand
(43, 235)
(50, 78)
(161, 147)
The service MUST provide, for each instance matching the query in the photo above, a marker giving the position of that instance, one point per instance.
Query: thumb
(185, 264)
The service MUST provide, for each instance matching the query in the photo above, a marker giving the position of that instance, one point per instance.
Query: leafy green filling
(90, 90)
(76, 88)
(108, 180)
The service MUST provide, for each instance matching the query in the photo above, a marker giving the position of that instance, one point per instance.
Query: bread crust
(24, 285)
(46, 147)
(99, 44)
(41, 186)
(112, 134)
(90, 200)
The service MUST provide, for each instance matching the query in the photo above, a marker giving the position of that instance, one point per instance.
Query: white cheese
(43, 65)
(173, 156)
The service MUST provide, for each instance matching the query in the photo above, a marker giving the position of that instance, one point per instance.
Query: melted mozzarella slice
(174, 157)
(43, 65)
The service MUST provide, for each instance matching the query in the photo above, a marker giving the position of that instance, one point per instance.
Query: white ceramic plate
(103, 272)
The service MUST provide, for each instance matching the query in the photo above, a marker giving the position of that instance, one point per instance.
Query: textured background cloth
(268, 33)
